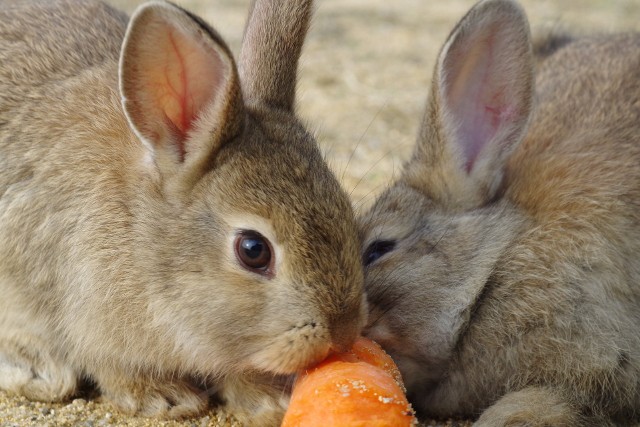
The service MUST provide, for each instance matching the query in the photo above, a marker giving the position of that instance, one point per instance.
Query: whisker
(369, 170)
(360, 202)
(446, 229)
(385, 155)
(361, 139)
(357, 205)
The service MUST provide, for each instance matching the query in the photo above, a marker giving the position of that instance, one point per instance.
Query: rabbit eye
(253, 251)
(377, 249)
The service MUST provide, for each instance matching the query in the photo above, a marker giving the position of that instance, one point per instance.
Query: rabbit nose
(344, 334)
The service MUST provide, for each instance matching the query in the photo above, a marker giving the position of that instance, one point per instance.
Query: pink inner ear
(182, 78)
(484, 122)
(478, 95)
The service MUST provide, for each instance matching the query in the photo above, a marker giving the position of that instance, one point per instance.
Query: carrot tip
(362, 386)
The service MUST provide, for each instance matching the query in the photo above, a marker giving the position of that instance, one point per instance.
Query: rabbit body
(122, 195)
(503, 271)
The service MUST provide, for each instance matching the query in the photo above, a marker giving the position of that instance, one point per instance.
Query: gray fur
(513, 290)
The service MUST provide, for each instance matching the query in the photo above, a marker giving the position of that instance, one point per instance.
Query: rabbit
(501, 266)
(169, 231)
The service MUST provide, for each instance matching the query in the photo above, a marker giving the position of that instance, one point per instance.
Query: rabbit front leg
(28, 365)
(256, 400)
(532, 407)
(152, 396)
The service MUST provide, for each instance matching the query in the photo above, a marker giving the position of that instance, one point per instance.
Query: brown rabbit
(502, 267)
(166, 222)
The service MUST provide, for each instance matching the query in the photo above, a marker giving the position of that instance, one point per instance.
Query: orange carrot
(359, 388)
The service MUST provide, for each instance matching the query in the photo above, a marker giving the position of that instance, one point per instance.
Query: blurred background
(366, 67)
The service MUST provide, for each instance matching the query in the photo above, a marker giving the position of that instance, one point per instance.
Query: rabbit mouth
(418, 370)
(299, 348)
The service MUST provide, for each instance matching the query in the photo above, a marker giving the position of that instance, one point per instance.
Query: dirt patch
(363, 83)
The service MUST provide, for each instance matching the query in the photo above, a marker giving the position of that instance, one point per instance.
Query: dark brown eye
(254, 252)
(376, 250)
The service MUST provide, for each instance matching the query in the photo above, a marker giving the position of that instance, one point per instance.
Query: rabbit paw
(256, 401)
(530, 407)
(28, 368)
(154, 397)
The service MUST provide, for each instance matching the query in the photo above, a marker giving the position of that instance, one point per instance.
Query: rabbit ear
(179, 87)
(271, 47)
(482, 96)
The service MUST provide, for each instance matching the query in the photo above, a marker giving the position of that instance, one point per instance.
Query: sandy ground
(363, 80)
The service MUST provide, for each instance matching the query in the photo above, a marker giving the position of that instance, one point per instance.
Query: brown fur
(117, 225)
(512, 291)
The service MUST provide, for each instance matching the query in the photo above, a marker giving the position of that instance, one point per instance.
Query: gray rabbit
(502, 267)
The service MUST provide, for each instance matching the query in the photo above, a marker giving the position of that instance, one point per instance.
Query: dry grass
(363, 83)
(367, 63)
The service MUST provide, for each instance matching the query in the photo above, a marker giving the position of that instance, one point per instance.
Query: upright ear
(179, 88)
(271, 47)
(481, 101)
